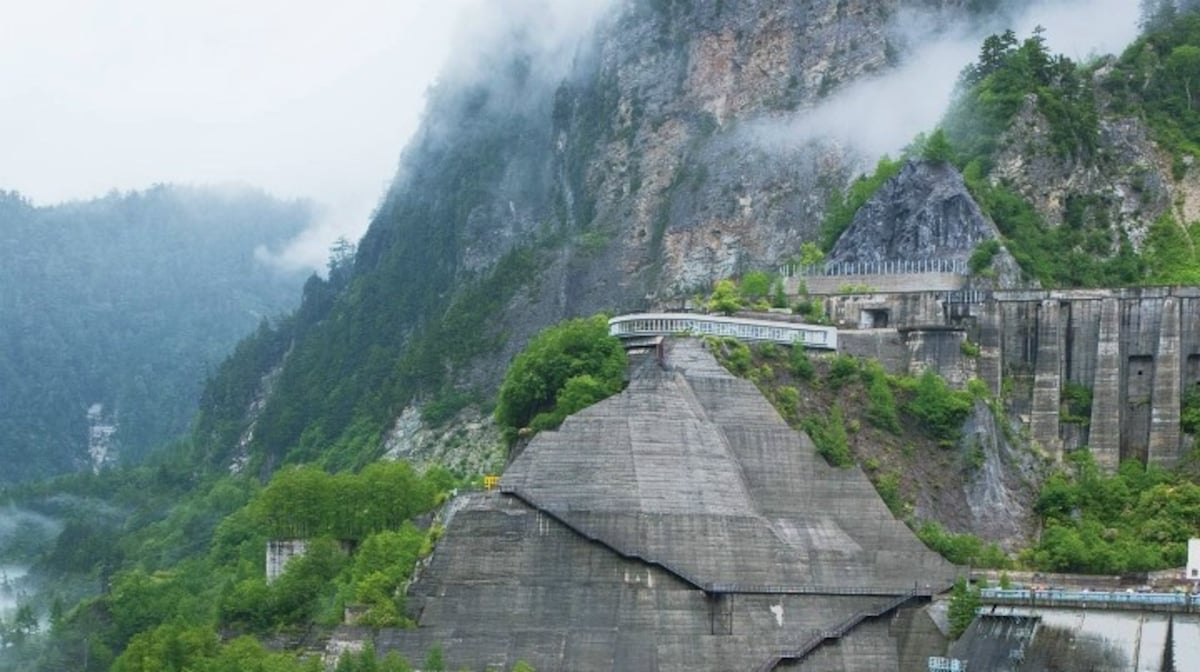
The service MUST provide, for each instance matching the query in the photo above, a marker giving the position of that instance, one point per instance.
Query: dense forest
(127, 302)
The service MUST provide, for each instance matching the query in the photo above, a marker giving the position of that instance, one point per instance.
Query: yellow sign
(490, 482)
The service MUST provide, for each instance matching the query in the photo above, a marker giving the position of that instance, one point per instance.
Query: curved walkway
(637, 325)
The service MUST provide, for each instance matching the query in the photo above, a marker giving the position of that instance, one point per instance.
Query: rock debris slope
(680, 525)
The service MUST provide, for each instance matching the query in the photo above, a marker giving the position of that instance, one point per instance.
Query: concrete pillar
(1164, 409)
(1104, 436)
(280, 552)
(1047, 381)
(990, 345)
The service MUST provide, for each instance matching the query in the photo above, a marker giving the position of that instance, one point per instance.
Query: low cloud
(882, 115)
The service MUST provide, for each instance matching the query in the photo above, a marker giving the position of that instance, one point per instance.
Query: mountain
(536, 190)
(114, 309)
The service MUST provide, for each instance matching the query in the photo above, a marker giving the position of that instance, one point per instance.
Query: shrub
(888, 487)
(830, 437)
(801, 365)
(970, 349)
(1189, 411)
(964, 602)
(881, 408)
(941, 409)
(983, 256)
(1076, 404)
(842, 369)
(563, 369)
(725, 299)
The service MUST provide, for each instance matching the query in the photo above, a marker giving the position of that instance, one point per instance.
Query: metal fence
(905, 267)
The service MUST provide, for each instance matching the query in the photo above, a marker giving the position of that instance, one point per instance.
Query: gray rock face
(680, 525)
(923, 213)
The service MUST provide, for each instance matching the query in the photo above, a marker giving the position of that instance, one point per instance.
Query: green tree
(811, 254)
(725, 299)
(942, 409)
(938, 147)
(881, 404)
(755, 285)
(577, 360)
(964, 602)
(800, 363)
(1183, 65)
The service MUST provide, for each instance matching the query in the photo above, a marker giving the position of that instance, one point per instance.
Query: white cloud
(882, 115)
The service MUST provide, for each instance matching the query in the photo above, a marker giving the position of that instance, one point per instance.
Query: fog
(302, 98)
(315, 100)
(882, 115)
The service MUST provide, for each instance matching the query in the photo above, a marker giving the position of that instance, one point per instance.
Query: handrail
(745, 328)
(839, 631)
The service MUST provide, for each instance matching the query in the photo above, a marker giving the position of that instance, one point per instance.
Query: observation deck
(640, 325)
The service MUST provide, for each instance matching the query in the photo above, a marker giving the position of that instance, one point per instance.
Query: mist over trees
(126, 301)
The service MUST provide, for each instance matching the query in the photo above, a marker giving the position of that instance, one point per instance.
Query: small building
(1193, 561)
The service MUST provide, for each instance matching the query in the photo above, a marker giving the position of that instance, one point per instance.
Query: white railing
(898, 267)
(741, 328)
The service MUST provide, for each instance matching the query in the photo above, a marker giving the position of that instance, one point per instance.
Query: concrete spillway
(680, 525)
(1018, 639)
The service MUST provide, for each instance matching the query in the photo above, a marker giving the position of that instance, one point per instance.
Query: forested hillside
(123, 304)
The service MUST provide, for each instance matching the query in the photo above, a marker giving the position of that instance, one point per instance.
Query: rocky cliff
(923, 214)
(535, 192)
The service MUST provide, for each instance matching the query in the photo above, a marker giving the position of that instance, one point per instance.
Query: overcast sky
(304, 98)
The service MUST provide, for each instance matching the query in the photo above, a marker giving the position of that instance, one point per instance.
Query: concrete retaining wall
(1136, 349)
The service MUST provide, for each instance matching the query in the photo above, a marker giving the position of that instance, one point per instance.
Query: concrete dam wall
(1137, 351)
(680, 525)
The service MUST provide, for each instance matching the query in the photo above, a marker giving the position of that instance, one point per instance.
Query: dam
(679, 525)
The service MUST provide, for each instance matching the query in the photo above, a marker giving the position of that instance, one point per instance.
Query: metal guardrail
(1177, 602)
(821, 636)
(900, 267)
(638, 325)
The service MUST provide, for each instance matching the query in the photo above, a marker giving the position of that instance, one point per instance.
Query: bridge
(641, 325)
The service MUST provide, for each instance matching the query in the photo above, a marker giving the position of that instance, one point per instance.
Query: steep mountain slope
(535, 192)
(112, 309)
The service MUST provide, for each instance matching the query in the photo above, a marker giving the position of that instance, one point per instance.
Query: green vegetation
(1171, 253)
(970, 349)
(563, 370)
(1157, 78)
(964, 602)
(1189, 411)
(940, 408)
(983, 256)
(800, 363)
(186, 561)
(725, 299)
(829, 436)
(1076, 404)
(881, 408)
(840, 211)
(961, 549)
(1136, 520)
(896, 410)
(937, 147)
